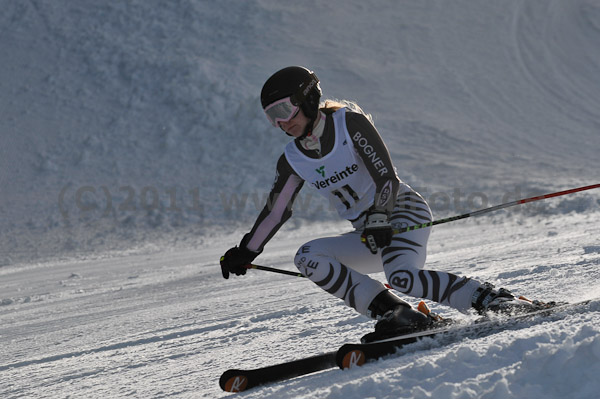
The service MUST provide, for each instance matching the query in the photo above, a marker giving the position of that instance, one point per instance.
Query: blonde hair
(329, 106)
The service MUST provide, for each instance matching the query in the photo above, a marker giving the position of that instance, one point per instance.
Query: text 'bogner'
(368, 149)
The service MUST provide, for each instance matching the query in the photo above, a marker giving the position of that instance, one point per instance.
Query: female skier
(338, 151)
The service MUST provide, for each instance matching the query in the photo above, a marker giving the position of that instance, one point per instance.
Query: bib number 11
(346, 194)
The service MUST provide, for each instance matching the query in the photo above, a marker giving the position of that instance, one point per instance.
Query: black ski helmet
(297, 82)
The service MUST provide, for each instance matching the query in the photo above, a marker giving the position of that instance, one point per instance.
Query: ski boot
(396, 317)
(486, 299)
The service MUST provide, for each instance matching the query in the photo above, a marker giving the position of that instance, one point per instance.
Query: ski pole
(281, 271)
(495, 208)
(272, 269)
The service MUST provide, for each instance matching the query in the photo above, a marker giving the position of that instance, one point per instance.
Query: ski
(235, 380)
(351, 355)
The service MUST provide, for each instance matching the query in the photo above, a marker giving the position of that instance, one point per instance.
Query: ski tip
(423, 308)
(353, 358)
(233, 382)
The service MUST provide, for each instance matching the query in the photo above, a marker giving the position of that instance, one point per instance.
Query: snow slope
(167, 325)
(134, 152)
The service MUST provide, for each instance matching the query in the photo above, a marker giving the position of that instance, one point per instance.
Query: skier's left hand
(378, 232)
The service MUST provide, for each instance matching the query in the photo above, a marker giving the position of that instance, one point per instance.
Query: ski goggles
(281, 111)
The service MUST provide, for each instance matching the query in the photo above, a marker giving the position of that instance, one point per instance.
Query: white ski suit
(353, 169)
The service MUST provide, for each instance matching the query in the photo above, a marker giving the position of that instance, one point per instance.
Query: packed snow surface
(135, 152)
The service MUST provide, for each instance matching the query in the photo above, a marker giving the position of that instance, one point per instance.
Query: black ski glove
(236, 260)
(377, 232)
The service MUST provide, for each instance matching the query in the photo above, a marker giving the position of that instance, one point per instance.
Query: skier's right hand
(236, 260)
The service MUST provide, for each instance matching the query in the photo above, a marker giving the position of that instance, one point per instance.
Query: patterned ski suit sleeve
(374, 153)
(278, 208)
